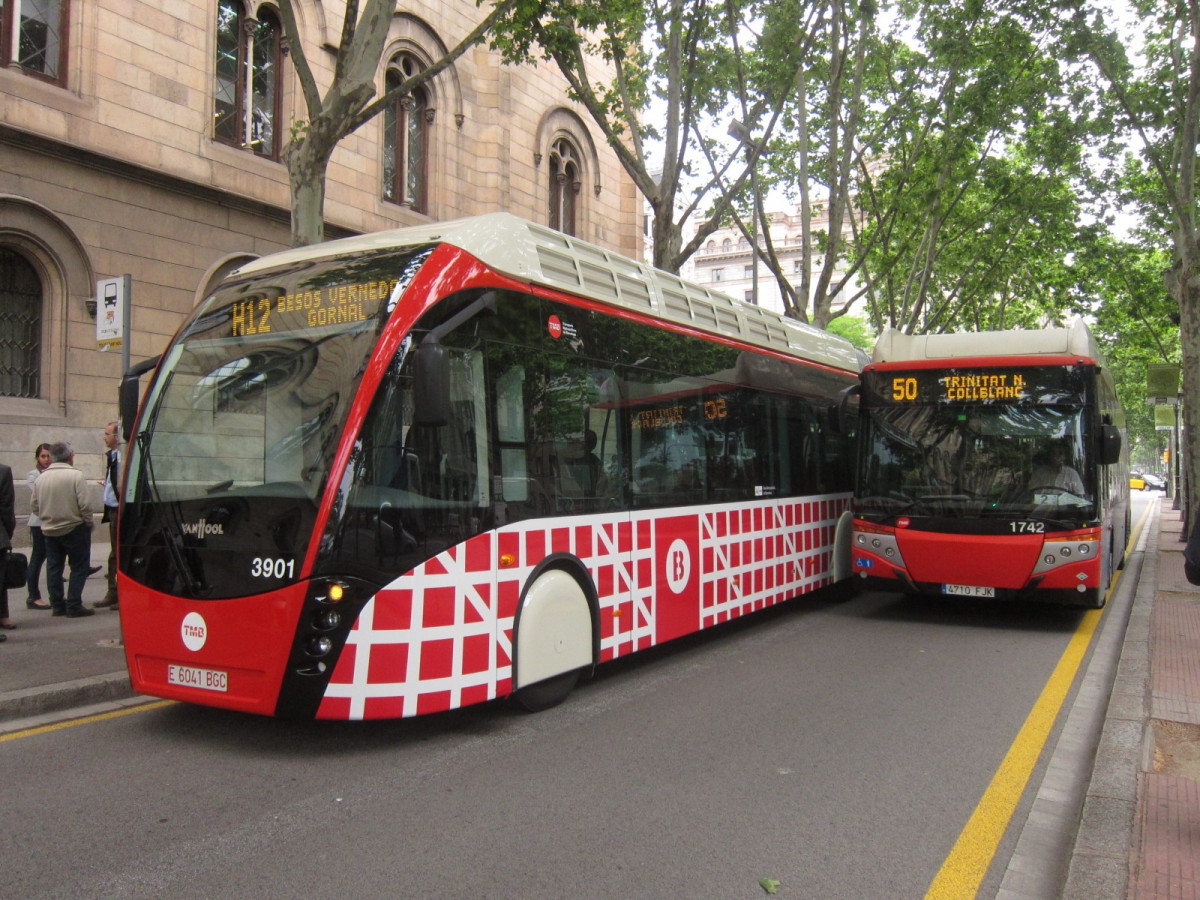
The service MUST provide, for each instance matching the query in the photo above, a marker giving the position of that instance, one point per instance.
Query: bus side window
(579, 397)
(787, 447)
(734, 456)
(510, 435)
(670, 459)
(806, 450)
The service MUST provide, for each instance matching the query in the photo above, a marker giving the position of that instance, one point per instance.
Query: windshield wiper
(172, 532)
(952, 504)
(883, 504)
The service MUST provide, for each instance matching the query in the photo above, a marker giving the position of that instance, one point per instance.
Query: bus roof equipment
(541, 256)
(1073, 340)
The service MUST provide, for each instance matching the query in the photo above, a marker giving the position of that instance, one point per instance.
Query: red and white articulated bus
(991, 465)
(420, 469)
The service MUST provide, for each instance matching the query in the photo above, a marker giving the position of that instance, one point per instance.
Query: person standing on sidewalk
(37, 555)
(8, 524)
(60, 499)
(1191, 555)
(112, 481)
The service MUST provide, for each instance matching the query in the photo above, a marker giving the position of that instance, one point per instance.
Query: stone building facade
(143, 137)
(725, 261)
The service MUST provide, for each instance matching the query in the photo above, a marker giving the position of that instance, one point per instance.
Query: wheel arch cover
(554, 632)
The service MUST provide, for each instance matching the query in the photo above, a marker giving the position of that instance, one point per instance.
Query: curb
(36, 701)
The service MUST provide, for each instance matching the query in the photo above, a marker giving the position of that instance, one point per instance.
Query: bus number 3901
(1028, 527)
(266, 567)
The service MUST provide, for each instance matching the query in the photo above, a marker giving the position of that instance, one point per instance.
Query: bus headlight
(318, 646)
(1060, 551)
(327, 619)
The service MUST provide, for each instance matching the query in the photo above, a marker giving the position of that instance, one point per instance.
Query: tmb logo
(194, 631)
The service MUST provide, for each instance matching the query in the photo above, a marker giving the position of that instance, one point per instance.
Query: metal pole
(126, 334)
(1175, 469)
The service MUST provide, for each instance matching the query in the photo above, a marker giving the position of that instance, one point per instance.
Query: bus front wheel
(547, 693)
(553, 640)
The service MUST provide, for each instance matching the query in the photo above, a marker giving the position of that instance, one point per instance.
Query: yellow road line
(86, 720)
(972, 853)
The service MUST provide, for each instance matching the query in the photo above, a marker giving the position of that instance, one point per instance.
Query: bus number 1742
(1028, 527)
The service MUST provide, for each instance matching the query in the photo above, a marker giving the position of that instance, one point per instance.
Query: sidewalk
(1139, 834)
(51, 663)
(1137, 837)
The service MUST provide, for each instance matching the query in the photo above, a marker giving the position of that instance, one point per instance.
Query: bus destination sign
(999, 385)
(343, 304)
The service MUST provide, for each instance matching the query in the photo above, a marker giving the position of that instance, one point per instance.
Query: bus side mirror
(130, 394)
(1110, 445)
(431, 368)
(431, 383)
(844, 416)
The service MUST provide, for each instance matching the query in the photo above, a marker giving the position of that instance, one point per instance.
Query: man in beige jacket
(61, 499)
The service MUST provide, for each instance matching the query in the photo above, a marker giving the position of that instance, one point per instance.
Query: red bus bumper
(226, 653)
(977, 564)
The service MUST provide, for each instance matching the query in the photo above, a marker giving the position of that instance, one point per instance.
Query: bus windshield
(960, 461)
(247, 409)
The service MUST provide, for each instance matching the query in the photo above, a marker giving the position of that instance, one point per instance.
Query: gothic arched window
(406, 139)
(565, 181)
(247, 95)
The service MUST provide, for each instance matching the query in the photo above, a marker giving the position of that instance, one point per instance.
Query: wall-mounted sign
(112, 305)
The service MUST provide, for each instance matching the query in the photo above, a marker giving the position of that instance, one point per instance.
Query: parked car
(1154, 482)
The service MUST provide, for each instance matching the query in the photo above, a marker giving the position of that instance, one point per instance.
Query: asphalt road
(835, 747)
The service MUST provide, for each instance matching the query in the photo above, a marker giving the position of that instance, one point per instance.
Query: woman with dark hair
(37, 555)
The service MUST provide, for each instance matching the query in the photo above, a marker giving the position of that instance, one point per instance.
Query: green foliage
(854, 329)
(1119, 288)
(661, 80)
(1155, 98)
(971, 199)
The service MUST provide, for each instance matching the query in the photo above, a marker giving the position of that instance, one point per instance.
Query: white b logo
(679, 566)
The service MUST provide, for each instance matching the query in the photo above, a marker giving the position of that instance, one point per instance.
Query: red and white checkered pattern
(441, 636)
